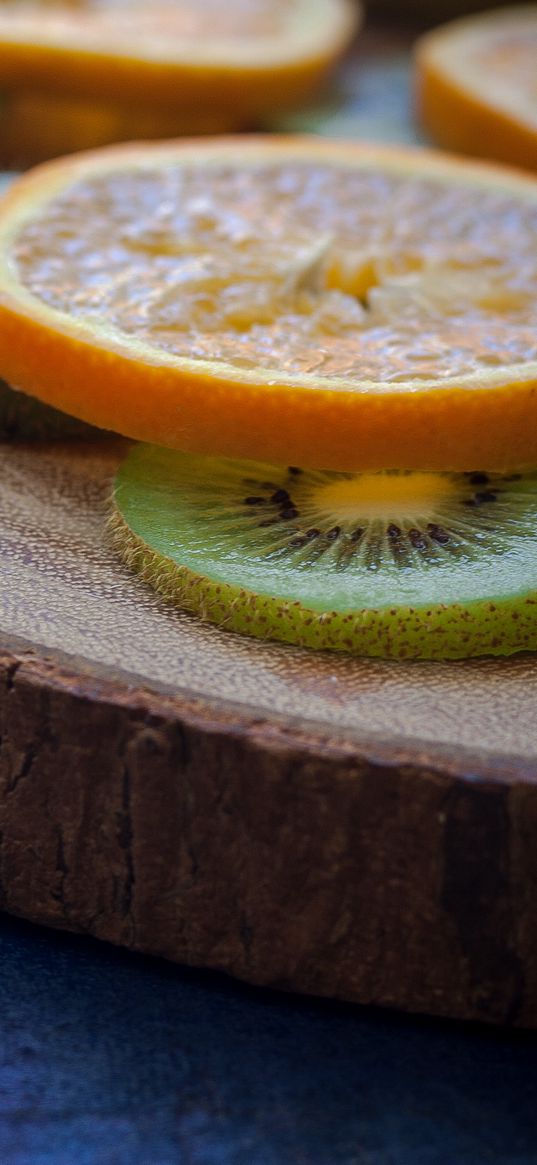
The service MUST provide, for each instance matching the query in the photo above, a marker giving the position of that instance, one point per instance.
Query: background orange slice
(82, 74)
(476, 85)
(295, 300)
(37, 126)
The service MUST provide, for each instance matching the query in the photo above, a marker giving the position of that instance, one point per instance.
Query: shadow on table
(108, 1058)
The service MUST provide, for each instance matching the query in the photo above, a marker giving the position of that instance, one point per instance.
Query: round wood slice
(359, 829)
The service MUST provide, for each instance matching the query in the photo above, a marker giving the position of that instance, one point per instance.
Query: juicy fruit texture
(431, 566)
(297, 300)
(476, 85)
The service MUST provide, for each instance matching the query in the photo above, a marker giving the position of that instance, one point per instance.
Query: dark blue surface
(112, 1059)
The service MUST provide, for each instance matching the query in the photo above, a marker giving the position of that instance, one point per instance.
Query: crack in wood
(321, 870)
(11, 673)
(125, 838)
(62, 869)
(24, 769)
(31, 753)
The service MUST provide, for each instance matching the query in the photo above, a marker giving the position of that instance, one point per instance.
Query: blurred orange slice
(37, 126)
(81, 73)
(476, 85)
(294, 300)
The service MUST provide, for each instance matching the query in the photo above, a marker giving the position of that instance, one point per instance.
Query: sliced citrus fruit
(242, 56)
(297, 300)
(476, 84)
(38, 126)
(83, 74)
(425, 565)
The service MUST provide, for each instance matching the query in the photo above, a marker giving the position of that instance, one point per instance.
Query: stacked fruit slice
(81, 73)
(476, 85)
(333, 355)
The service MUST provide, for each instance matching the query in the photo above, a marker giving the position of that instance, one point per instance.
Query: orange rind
(296, 300)
(35, 126)
(476, 85)
(175, 52)
(81, 75)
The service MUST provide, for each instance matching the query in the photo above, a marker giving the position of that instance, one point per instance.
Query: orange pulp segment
(296, 300)
(476, 85)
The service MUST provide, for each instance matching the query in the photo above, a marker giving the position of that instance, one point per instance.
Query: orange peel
(476, 86)
(210, 342)
(173, 53)
(37, 126)
(82, 75)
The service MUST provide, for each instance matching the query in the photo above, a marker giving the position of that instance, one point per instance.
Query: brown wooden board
(353, 828)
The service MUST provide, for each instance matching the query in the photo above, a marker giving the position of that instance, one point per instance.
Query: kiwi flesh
(390, 564)
(24, 418)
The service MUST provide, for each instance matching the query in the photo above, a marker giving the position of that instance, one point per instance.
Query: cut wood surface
(344, 827)
(352, 828)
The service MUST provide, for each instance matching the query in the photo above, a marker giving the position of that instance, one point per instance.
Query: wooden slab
(345, 827)
(358, 829)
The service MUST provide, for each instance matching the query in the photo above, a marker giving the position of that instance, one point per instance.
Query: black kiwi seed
(417, 538)
(480, 498)
(453, 598)
(479, 478)
(437, 533)
(400, 539)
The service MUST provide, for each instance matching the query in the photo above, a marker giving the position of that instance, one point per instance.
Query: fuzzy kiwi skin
(437, 632)
(22, 418)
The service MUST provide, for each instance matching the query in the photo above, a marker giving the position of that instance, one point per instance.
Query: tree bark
(283, 857)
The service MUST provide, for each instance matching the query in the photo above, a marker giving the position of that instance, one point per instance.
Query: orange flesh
(476, 85)
(300, 301)
(84, 73)
(296, 268)
(252, 54)
(100, 21)
(512, 57)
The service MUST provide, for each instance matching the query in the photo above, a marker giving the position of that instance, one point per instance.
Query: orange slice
(84, 73)
(37, 126)
(242, 55)
(295, 300)
(476, 84)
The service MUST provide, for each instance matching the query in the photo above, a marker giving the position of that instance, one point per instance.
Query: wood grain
(328, 825)
(352, 828)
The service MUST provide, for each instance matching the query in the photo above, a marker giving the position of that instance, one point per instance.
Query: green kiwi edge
(166, 512)
(23, 418)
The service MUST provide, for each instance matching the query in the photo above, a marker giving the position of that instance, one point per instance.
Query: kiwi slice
(26, 419)
(407, 565)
